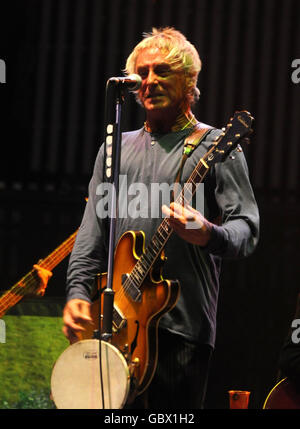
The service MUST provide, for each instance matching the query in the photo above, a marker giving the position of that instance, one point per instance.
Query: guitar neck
(164, 231)
(31, 281)
(52, 260)
(238, 127)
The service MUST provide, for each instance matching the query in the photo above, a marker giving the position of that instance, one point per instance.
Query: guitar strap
(190, 144)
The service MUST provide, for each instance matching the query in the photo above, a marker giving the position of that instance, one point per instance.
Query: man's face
(162, 88)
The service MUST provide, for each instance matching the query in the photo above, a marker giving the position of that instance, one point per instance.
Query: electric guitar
(142, 295)
(30, 283)
(285, 395)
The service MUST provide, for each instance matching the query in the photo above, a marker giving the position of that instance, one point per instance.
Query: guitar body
(137, 338)
(284, 396)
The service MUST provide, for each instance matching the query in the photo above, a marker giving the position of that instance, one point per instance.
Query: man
(169, 66)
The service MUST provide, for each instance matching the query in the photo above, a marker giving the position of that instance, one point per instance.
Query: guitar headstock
(239, 127)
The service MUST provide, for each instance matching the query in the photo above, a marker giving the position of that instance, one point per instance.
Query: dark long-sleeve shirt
(147, 162)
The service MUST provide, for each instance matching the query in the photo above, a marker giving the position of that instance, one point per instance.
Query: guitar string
(161, 230)
(18, 291)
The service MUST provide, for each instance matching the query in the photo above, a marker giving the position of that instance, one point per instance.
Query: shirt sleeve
(89, 255)
(238, 232)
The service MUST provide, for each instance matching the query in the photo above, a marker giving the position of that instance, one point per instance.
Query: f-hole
(134, 342)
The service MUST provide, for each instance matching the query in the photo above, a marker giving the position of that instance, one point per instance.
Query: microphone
(132, 82)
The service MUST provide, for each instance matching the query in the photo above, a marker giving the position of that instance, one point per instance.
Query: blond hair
(180, 53)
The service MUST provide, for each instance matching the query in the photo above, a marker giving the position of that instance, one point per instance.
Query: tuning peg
(239, 148)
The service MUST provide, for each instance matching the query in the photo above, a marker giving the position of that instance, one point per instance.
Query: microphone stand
(112, 170)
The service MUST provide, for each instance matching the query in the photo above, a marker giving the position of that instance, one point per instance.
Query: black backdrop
(58, 56)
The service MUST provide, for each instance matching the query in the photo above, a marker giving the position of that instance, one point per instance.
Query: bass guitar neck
(30, 283)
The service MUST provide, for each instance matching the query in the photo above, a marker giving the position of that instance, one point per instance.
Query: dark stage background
(59, 55)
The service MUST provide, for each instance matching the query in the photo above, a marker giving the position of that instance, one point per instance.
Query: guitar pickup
(130, 288)
(119, 320)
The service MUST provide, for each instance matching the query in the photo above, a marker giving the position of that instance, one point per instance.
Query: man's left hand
(45, 276)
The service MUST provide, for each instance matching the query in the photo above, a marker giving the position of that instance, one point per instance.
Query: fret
(159, 237)
(154, 243)
(197, 177)
(59, 254)
(31, 281)
(165, 229)
(187, 194)
(135, 276)
(139, 269)
(144, 262)
(180, 199)
(145, 257)
(151, 251)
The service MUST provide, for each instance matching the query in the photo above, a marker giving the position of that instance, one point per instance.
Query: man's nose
(152, 77)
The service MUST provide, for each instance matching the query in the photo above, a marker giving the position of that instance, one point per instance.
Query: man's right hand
(76, 311)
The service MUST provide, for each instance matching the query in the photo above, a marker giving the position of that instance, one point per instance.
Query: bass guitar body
(137, 308)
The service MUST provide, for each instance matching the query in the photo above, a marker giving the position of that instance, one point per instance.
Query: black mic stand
(111, 174)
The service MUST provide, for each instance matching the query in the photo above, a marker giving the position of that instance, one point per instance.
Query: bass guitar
(30, 283)
(142, 295)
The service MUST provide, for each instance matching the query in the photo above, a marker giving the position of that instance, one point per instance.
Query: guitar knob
(136, 361)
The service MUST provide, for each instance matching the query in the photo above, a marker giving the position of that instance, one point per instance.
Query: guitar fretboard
(164, 231)
(30, 283)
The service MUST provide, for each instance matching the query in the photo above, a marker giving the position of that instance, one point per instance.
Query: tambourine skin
(78, 383)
